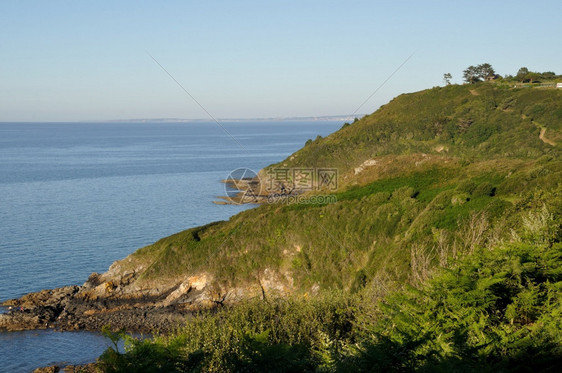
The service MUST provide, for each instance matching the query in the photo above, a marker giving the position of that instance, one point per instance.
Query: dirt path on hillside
(544, 139)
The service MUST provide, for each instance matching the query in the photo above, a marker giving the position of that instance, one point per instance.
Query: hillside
(433, 189)
(441, 252)
(475, 122)
(441, 160)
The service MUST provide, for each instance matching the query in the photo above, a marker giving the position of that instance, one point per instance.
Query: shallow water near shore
(57, 348)
(74, 197)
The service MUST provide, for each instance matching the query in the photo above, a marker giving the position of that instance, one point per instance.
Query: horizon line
(187, 120)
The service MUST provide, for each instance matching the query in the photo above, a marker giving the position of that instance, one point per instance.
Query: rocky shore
(262, 188)
(122, 299)
(108, 299)
(66, 309)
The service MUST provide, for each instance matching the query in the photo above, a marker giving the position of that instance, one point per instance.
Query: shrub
(280, 335)
(495, 310)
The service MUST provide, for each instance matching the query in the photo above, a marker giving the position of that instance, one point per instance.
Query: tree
(486, 71)
(474, 74)
(471, 74)
(522, 74)
(532, 76)
(447, 78)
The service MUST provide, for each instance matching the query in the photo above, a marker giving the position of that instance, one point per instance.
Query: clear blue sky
(78, 60)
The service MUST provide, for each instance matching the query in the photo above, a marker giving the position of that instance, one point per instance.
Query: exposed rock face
(368, 163)
(36, 310)
(122, 299)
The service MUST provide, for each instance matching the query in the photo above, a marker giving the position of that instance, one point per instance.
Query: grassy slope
(476, 229)
(473, 121)
(495, 163)
(496, 310)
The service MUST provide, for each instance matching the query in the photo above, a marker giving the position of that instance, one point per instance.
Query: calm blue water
(74, 197)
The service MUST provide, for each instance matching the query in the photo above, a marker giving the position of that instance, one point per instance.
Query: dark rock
(65, 309)
(51, 369)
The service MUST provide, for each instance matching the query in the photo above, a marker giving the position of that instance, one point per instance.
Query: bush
(280, 335)
(495, 310)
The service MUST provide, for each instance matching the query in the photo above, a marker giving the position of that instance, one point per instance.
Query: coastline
(115, 297)
(68, 309)
(121, 299)
(144, 311)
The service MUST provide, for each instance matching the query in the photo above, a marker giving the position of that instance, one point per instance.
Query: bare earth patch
(544, 139)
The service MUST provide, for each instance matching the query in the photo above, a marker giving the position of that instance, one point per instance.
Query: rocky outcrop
(67, 309)
(121, 298)
(368, 163)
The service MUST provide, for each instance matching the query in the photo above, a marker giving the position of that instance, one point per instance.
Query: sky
(86, 60)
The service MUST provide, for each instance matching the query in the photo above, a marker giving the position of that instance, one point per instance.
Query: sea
(75, 197)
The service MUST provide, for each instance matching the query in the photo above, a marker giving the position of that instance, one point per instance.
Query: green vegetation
(485, 72)
(443, 254)
(371, 227)
(524, 76)
(491, 168)
(470, 122)
(497, 309)
(474, 74)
